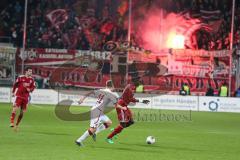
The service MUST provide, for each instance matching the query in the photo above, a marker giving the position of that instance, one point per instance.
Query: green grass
(42, 136)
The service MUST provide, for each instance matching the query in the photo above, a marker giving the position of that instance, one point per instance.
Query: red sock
(19, 119)
(117, 130)
(12, 117)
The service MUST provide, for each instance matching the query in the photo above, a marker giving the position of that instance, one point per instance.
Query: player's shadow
(140, 145)
(163, 147)
(128, 149)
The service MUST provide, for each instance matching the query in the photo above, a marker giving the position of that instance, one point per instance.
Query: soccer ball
(150, 140)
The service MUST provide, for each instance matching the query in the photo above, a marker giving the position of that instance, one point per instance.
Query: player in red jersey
(124, 113)
(21, 89)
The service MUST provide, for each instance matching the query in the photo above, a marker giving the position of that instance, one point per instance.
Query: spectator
(139, 87)
(210, 91)
(185, 90)
(216, 92)
(46, 83)
(97, 22)
(237, 93)
(223, 91)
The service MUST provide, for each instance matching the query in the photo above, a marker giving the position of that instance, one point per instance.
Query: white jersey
(104, 98)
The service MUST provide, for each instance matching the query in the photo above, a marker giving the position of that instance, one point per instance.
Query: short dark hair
(26, 69)
(136, 83)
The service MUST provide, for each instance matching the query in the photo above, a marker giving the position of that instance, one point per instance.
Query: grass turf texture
(42, 136)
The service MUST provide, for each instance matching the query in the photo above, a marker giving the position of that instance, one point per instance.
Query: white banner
(174, 102)
(169, 102)
(44, 96)
(5, 94)
(219, 104)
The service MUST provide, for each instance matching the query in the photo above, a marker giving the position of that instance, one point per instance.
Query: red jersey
(23, 86)
(128, 95)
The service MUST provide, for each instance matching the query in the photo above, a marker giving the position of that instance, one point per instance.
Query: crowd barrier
(169, 102)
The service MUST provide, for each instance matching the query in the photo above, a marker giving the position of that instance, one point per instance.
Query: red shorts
(21, 103)
(123, 115)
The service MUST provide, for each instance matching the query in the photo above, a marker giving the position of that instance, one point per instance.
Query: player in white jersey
(99, 121)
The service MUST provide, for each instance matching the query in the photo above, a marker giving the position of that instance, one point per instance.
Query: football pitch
(180, 135)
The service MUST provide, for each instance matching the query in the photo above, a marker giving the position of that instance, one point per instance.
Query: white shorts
(97, 118)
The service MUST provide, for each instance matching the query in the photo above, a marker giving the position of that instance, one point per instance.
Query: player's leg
(85, 135)
(105, 123)
(13, 115)
(125, 119)
(95, 121)
(116, 131)
(16, 105)
(119, 128)
(23, 109)
(20, 116)
(129, 118)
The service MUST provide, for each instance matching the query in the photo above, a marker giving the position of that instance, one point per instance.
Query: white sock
(100, 128)
(83, 137)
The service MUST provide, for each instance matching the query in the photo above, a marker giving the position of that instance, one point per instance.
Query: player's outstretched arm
(134, 100)
(85, 96)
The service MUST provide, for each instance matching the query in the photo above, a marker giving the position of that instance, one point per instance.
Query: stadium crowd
(67, 24)
(82, 24)
(222, 12)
